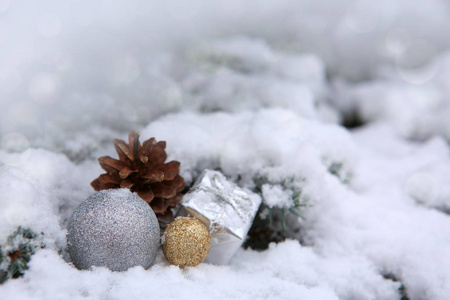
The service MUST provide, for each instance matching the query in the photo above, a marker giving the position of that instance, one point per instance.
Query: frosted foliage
(257, 90)
(276, 196)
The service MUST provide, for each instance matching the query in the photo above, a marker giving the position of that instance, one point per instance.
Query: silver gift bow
(240, 203)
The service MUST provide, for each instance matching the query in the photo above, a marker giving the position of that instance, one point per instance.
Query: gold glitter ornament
(186, 242)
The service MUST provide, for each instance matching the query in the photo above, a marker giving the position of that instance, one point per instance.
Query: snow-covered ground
(257, 89)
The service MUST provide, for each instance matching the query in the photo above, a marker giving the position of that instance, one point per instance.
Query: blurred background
(75, 74)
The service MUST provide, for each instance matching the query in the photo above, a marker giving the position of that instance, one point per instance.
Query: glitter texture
(186, 242)
(114, 229)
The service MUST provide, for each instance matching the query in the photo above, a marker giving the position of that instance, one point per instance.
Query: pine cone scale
(158, 154)
(110, 164)
(98, 185)
(127, 184)
(133, 142)
(159, 205)
(163, 190)
(147, 195)
(123, 150)
(166, 216)
(153, 175)
(109, 178)
(147, 145)
(143, 158)
(178, 181)
(175, 200)
(171, 170)
(119, 151)
(125, 172)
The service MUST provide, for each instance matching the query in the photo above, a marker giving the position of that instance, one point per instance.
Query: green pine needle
(14, 261)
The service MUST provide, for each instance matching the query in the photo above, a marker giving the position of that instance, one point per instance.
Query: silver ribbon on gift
(225, 209)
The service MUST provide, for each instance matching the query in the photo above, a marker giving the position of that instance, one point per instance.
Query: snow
(256, 90)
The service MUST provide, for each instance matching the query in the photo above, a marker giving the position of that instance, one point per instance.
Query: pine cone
(142, 170)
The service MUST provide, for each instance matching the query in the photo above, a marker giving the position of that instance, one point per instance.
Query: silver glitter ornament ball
(114, 229)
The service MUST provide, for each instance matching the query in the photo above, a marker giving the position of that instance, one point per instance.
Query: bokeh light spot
(44, 88)
(397, 41)
(419, 63)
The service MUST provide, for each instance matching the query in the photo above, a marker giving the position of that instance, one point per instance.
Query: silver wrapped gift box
(225, 209)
